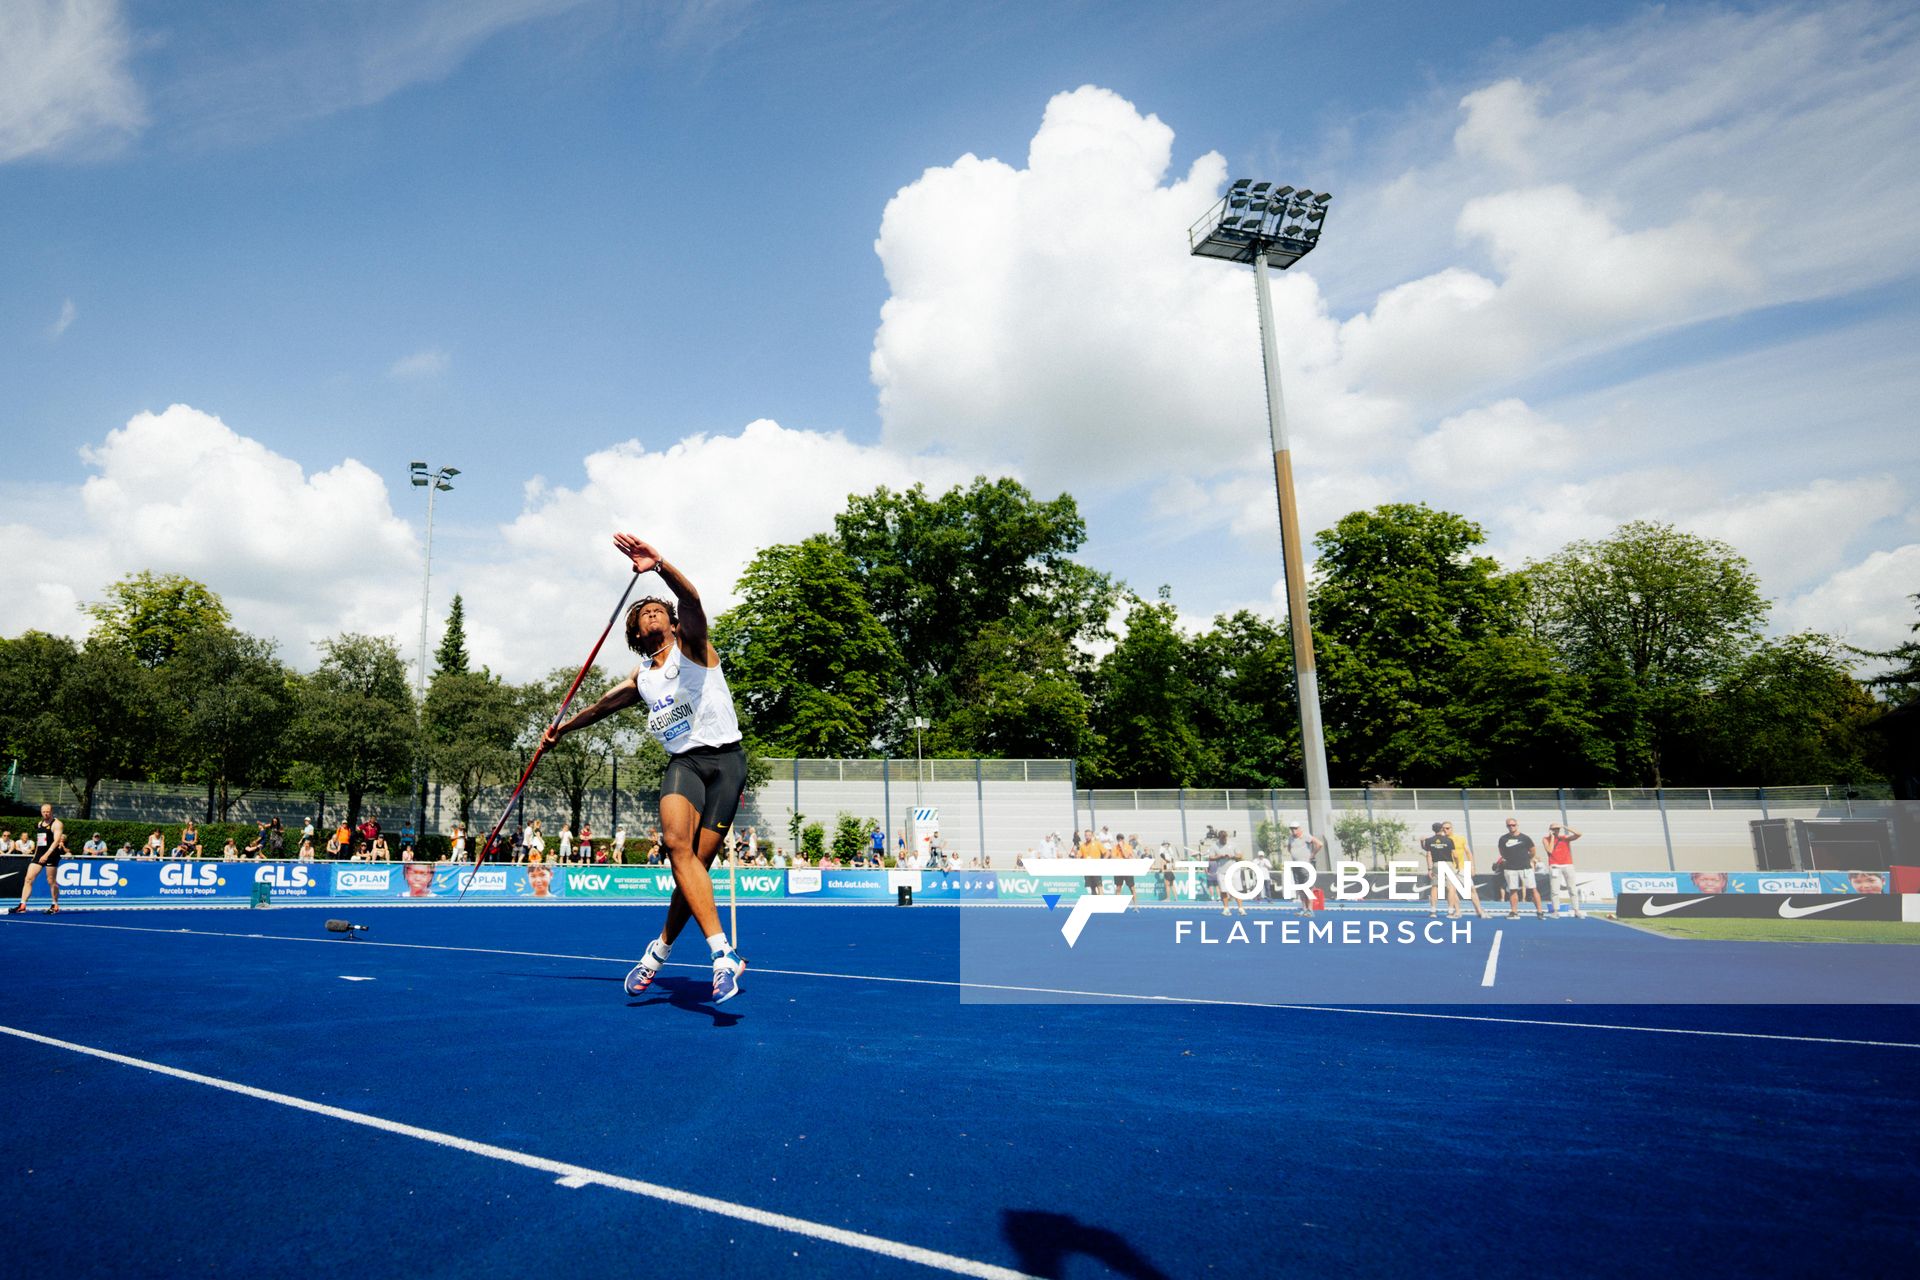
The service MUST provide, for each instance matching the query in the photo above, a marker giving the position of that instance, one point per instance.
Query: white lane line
(1051, 991)
(1493, 959)
(566, 1175)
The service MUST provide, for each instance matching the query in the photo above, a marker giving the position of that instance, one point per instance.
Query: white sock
(659, 949)
(717, 943)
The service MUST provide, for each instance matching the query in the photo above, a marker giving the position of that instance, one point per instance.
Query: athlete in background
(690, 713)
(49, 846)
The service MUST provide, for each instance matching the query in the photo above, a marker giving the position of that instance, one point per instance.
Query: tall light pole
(433, 482)
(1260, 223)
(919, 723)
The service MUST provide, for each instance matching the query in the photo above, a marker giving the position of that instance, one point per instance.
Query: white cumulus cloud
(428, 363)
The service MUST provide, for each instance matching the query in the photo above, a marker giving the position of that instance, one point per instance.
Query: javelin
(486, 846)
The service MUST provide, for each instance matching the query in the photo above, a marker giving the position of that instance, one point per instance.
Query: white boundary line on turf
(1050, 991)
(1493, 959)
(567, 1175)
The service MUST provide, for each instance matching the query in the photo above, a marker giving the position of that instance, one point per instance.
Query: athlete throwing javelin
(690, 713)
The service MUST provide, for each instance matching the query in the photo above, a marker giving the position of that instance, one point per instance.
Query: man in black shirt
(1439, 850)
(1516, 864)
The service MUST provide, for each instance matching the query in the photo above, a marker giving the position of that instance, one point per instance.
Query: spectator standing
(278, 831)
(1463, 859)
(1560, 867)
(459, 842)
(307, 831)
(1516, 868)
(343, 838)
(1302, 846)
(566, 843)
(586, 842)
(619, 844)
(1125, 847)
(1092, 848)
(1439, 850)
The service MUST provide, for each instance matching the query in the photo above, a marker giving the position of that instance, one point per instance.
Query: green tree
(1517, 716)
(229, 702)
(1789, 712)
(451, 656)
(806, 660)
(1658, 614)
(1144, 697)
(1019, 695)
(354, 726)
(577, 764)
(1399, 602)
(33, 668)
(151, 614)
(472, 721)
(1246, 705)
(1902, 684)
(938, 571)
(107, 715)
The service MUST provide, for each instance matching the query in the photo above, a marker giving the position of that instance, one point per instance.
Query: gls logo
(188, 875)
(284, 877)
(88, 875)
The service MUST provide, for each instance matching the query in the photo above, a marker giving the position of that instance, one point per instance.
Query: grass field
(1783, 930)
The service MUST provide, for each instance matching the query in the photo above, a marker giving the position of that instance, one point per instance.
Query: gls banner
(1750, 906)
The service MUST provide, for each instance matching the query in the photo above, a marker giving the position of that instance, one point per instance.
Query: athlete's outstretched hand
(644, 557)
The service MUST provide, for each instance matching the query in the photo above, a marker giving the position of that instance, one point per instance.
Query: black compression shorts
(712, 779)
(49, 857)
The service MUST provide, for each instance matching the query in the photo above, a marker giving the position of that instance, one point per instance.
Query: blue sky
(695, 270)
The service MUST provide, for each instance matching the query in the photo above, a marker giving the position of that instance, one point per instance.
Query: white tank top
(688, 705)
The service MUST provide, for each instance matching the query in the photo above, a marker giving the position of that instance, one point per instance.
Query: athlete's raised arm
(692, 614)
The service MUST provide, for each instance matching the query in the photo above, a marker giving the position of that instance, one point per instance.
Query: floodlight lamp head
(1241, 184)
(419, 466)
(1322, 198)
(1281, 193)
(419, 481)
(449, 471)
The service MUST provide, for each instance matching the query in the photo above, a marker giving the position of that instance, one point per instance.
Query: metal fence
(1001, 809)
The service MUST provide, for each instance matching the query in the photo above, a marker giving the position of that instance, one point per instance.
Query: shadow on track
(691, 995)
(1045, 1241)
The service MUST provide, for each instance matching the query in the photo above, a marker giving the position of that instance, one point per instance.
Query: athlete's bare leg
(690, 851)
(26, 888)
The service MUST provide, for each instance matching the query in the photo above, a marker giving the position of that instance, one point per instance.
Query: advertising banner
(1827, 882)
(1750, 906)
(426, 881)
(755, 882)
(1034, 888)
(957, 886)
(839, 885)
(645, 883)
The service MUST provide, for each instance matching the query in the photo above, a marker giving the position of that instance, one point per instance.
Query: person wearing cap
(1516, 868)
(1560, 867)
(1302, 847)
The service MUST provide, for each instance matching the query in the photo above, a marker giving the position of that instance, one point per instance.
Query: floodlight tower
(1260, 223)
(433, 482)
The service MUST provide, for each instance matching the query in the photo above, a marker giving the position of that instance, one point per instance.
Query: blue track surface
(1056, 1139)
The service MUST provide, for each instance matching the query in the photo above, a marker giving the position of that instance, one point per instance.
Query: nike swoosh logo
(1662, 909)
(1790, 912)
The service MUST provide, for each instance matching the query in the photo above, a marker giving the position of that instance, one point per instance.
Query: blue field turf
(1062, 1139)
